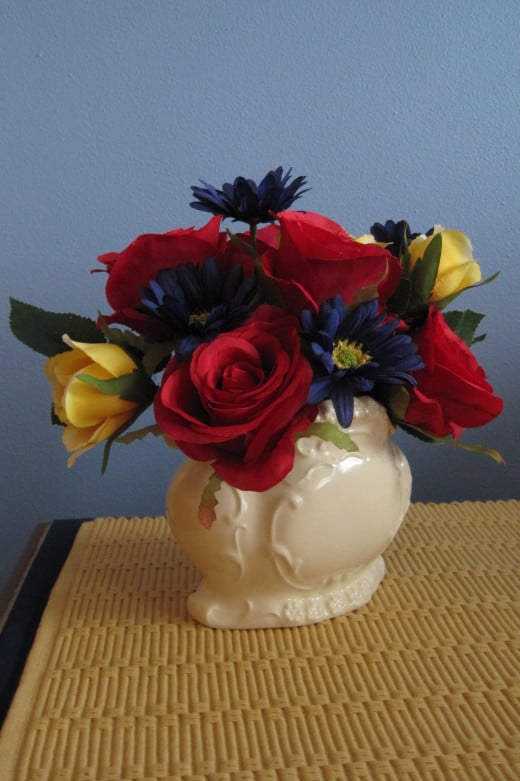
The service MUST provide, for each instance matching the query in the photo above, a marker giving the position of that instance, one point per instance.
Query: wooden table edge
(22, 568)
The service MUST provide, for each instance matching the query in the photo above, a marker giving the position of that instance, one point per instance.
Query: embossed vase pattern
(306, 550)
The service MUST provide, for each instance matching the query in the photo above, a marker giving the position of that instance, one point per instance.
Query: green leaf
(447, 300)
(43, 331)
(140, 433)
(123, 338)
(482, 449)
(156, 354)
(400, 300)
(484, 281)
(208, 501)
(153, 354)
(396, 401)
(424, 274)
(464, 324)
(134, 386)
(330, 433)
(404, 254)
(425, 437)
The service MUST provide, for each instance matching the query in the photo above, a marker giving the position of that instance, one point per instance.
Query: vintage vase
(306, 550)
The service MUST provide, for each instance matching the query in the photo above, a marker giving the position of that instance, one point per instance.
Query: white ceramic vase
(308, 549)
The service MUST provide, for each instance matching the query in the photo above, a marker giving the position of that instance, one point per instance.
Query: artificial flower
(315, 259)
(96, 390)
(246, 201)
(196, 303)
(457, 268)
(452, 392)
(236, 338)
(240, 400)
(360, 352)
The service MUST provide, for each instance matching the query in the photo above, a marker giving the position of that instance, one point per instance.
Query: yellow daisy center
(198, 318)
(349, 355)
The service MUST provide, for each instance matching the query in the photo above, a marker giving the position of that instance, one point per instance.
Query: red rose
(132, 269)
(325, 261)
(240, 400)
(452, 391)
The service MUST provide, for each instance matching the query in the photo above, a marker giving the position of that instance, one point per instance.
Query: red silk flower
(452, 391)
(240, 400)
(312, 258)
(131, 270)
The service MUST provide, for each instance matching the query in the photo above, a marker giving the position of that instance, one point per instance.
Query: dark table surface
(25, 596)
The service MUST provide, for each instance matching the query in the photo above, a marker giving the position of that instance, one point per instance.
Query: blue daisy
(246, 201)
(354, 353)
(395, 235)
(199, 302)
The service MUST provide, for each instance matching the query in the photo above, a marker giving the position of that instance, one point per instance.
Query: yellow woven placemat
(423, 683)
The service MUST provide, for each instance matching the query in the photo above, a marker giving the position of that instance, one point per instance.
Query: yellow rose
(457, 268)
(90, 416)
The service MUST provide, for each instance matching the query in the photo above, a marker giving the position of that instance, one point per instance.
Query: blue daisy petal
(320, 390)
(246, 201)
(343, 401)
(395, 235)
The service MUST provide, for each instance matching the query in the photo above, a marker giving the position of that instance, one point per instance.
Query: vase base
(289, 607)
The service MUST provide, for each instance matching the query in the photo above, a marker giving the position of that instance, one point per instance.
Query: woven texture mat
(422, 683)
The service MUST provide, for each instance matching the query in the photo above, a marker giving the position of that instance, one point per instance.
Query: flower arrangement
(236, 338)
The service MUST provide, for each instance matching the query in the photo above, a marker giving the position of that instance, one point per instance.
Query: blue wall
(111, 110)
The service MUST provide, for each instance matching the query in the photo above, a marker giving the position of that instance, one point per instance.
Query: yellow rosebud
(90, 416)
(457, 268)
